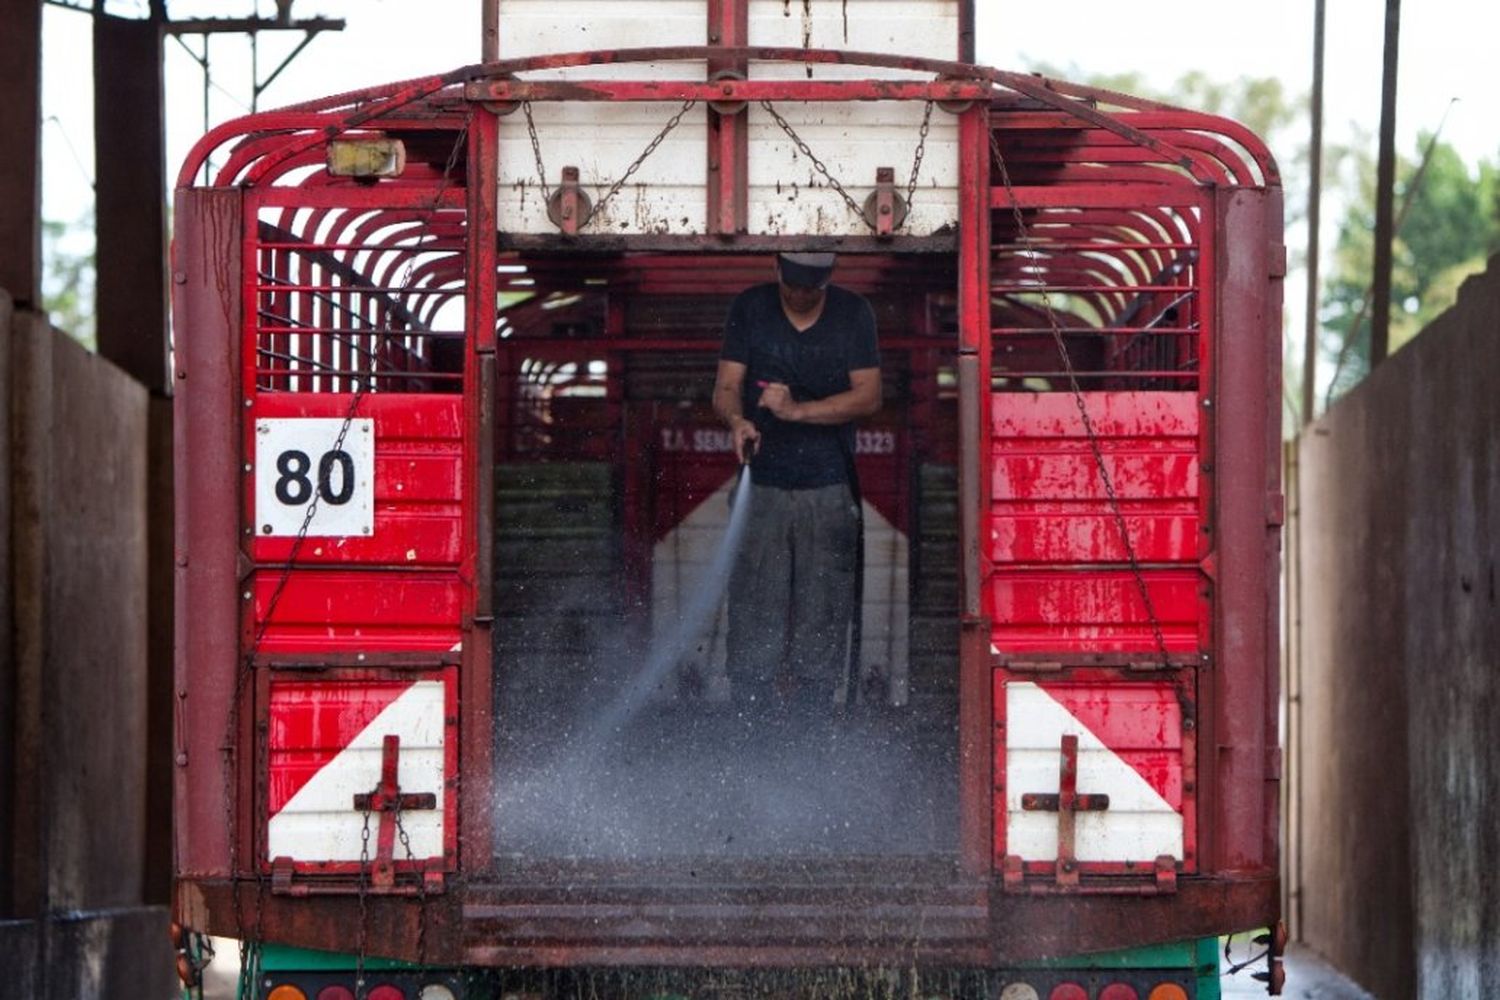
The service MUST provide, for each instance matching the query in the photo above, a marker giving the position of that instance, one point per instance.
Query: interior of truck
(619, 733)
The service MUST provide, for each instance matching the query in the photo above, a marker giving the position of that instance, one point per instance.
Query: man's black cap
(807, 270)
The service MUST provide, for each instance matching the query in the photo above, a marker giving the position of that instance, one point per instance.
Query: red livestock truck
(448, 478)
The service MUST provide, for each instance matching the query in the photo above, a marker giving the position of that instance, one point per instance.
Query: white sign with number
(301, 461)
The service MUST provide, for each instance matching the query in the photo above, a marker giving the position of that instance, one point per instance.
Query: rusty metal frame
(1208, 162)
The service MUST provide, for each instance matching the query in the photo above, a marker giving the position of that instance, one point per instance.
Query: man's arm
(728, 388)
(861, 399)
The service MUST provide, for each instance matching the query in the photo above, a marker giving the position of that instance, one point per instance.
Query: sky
(1446, 53)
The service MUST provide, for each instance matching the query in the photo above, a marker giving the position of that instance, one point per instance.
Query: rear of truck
(449, 481)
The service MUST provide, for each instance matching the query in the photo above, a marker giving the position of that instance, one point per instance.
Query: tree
(1448, 223)
(68, 277)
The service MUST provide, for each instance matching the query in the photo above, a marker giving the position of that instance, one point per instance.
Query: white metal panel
(924, 28)
(669, 193)
(666, 195)
(788, 196)
(296, 462)
(1139, 824)
(320, 823)
(542, 27)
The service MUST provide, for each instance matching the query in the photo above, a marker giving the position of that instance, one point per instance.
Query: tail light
(335, 993)
(385, 992)
(1069, 991)
(1019, 991)
(1168, 991)
(1119, 991)
(285, 992)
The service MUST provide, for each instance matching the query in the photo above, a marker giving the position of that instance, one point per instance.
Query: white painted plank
(669, 193)
(320, 823)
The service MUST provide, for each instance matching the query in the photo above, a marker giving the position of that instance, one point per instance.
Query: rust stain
(807, 30)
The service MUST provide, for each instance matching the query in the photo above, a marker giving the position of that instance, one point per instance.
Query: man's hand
(746, 439)
(777, 398)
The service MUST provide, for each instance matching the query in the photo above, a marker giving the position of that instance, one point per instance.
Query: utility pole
(1314, 220)
(1385, 184)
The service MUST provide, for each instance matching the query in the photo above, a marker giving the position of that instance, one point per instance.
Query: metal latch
(1067, 803)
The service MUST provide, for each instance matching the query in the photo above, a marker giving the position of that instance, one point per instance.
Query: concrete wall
(1398, 652)
(73, 923)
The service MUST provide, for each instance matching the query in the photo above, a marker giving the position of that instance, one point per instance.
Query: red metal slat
(1066, 470)
(1091, 610)
(1114, 414)
(1035, 534)
(335, 609)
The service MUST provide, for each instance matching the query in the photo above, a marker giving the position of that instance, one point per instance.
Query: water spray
(692, 622)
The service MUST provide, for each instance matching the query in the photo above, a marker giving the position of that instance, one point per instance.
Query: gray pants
(791, 597)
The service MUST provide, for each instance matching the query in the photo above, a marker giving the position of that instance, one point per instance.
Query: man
(799, 365)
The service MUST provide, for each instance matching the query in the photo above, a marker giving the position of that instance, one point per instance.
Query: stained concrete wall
(1398, 523)
(74, 676)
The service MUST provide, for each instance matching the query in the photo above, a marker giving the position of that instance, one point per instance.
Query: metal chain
(833, 182)
(1088, 422)
(916, 160)
(536, 151)
(818, 164)
(635, 165)
(364, 915)
(421, 871)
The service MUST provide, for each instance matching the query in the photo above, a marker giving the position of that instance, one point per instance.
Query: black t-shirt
(814, 363)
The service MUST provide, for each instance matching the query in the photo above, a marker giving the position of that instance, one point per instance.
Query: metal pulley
(884, 209)
(728, 108)
(569, 207)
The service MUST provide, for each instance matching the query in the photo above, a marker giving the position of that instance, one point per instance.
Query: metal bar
(583, 345)
(976, 711)
(1124, 196)
(20, 167)
(966, 30)
(476, 681)
(130, 167)
(1101, 287)
(1101, 331)
(727, 90)
(1385, 190)
(248, 25)
(1067, 802)
(489, 31)
(728, 130)
(722, 243)
(314, 368)
(1314, 220)
(374, 331)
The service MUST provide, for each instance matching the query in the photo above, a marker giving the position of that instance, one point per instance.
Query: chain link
(598, 209)
(364, 915)
(1083, 412)
(536, 151)
(833, 182)
(818, 164)
(916, 160)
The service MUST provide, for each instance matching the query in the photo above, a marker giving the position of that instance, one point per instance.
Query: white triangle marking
(1139, 824)
(320, 823)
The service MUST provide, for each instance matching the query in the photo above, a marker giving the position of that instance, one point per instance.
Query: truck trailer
(453, 716)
